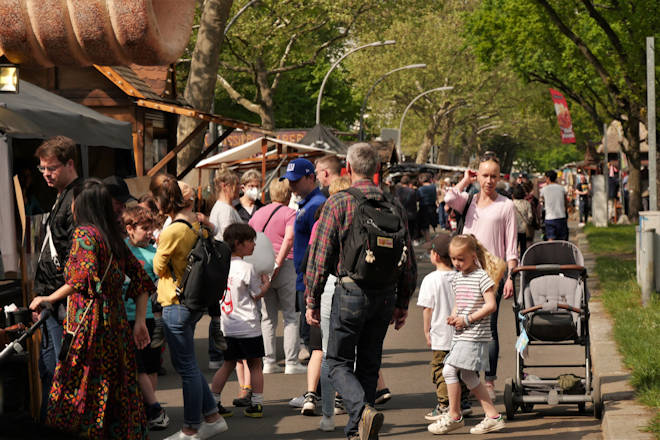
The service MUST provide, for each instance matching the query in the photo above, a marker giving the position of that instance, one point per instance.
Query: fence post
(647, 266)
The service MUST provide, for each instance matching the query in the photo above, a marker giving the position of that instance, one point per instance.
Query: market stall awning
(52, 115)
(251, 152)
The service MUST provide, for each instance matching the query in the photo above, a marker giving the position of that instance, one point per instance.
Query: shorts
(244, 348)
(315, 338)
(556, 229)
(147, 359)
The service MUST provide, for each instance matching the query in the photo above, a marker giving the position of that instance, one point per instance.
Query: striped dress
(469, 290)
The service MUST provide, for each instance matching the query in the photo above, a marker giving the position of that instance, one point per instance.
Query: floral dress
(95, 391)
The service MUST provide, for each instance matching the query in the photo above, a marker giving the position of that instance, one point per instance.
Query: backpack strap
(271, 216)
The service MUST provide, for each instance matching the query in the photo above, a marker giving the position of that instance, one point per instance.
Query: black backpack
(374, 251)
(205, 278)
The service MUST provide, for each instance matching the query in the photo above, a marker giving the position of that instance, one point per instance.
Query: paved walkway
(406, 371)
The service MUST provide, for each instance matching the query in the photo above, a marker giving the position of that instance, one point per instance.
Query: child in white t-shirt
(241, 319)
(437, 298)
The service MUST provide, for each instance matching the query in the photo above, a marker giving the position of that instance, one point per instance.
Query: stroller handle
(550, 268)
(559, 306)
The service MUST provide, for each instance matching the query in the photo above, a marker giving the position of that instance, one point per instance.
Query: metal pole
(437, 89)
(364, 102)
(647, 272)
(650, 97)
(325, 78)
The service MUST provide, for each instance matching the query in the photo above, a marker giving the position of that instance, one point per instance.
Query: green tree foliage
(485, 101)
(592, 52)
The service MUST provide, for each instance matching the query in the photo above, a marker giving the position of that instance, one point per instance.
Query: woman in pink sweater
(491, 218)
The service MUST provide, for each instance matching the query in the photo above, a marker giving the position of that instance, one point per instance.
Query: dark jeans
(584, 209)
(304, 327)
(215, 355)
(48, 358)
(522, 243)
(494, 345)
(358, 324)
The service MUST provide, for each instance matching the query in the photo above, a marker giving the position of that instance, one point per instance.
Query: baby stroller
(551, 308)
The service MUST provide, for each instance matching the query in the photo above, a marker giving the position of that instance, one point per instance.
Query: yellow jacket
(174, 244)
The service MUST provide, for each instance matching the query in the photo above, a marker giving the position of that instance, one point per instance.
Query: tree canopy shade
(592, 52)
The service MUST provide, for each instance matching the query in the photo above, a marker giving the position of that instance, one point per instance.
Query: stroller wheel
(596, 397)
(509, 405)
(581, 407)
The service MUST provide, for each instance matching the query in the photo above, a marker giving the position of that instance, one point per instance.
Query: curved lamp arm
(325, 79)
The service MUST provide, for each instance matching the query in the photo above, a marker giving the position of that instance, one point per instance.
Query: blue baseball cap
(297, 169)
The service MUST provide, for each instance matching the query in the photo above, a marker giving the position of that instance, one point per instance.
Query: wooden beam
(172, 154)
(138, 145)
(205, 153)
(192, 113)
(264, 150)
(119, 81)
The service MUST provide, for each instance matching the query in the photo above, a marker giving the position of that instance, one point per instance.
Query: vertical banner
(563, 117)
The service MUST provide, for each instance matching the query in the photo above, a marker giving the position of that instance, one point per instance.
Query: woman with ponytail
(200, 412)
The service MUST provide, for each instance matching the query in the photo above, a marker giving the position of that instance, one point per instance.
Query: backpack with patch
(205, 278)
(374, 251)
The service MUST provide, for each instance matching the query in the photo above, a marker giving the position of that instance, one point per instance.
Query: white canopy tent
(265, 152)
(253, 150)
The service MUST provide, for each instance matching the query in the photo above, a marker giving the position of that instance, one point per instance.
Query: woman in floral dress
(95, 393)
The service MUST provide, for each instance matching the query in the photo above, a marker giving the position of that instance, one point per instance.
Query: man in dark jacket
(57, 165)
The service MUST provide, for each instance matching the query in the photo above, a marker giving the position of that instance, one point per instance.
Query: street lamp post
(364, 103)
(437, 89)
(325, 79)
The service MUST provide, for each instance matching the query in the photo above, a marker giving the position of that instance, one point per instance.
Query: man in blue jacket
(302, 178)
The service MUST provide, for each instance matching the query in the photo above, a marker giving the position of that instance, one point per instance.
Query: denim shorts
(472, 356)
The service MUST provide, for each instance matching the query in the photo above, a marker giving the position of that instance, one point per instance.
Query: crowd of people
(111, 274)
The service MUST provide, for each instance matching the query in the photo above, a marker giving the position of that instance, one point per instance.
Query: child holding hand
(241, 319)
(474, 293)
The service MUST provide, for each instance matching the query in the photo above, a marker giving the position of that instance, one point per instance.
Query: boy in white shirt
(435, 295)
(241, 319)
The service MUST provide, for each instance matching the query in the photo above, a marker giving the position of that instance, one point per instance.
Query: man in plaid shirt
(360, 317)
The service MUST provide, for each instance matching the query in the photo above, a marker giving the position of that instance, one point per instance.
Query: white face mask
(252, 193)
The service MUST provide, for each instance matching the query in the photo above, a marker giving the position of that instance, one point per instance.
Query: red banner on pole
(563, 117)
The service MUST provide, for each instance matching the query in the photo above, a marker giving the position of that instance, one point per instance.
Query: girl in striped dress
(474, 294)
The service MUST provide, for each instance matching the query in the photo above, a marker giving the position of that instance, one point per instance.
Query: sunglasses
(489, 156)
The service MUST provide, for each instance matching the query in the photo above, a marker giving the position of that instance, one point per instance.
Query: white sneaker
(297, 402)
(215, 365)
(437, 413)
(181, 436)
(445, 424)
(296, 368)
(488, 425)
(208, 430)
(272, 368)
(327, 424)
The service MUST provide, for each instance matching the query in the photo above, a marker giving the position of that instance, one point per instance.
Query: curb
(623, 417)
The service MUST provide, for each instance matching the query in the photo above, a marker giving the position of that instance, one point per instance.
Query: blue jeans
(327, 389)
(494, 345)
(358, 324)
(198, 400)
(304, 327)
(49, 354)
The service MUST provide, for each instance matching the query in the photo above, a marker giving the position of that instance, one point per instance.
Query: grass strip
(636, 328)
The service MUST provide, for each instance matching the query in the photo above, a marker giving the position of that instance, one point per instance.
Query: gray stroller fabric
(548, 289)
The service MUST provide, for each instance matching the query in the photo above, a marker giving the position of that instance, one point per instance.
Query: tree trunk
(266, 103)
(443, 150)
(631, 132)
(200, 86)
(427, 143)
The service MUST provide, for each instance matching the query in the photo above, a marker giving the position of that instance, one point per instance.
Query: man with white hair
(361, 310)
